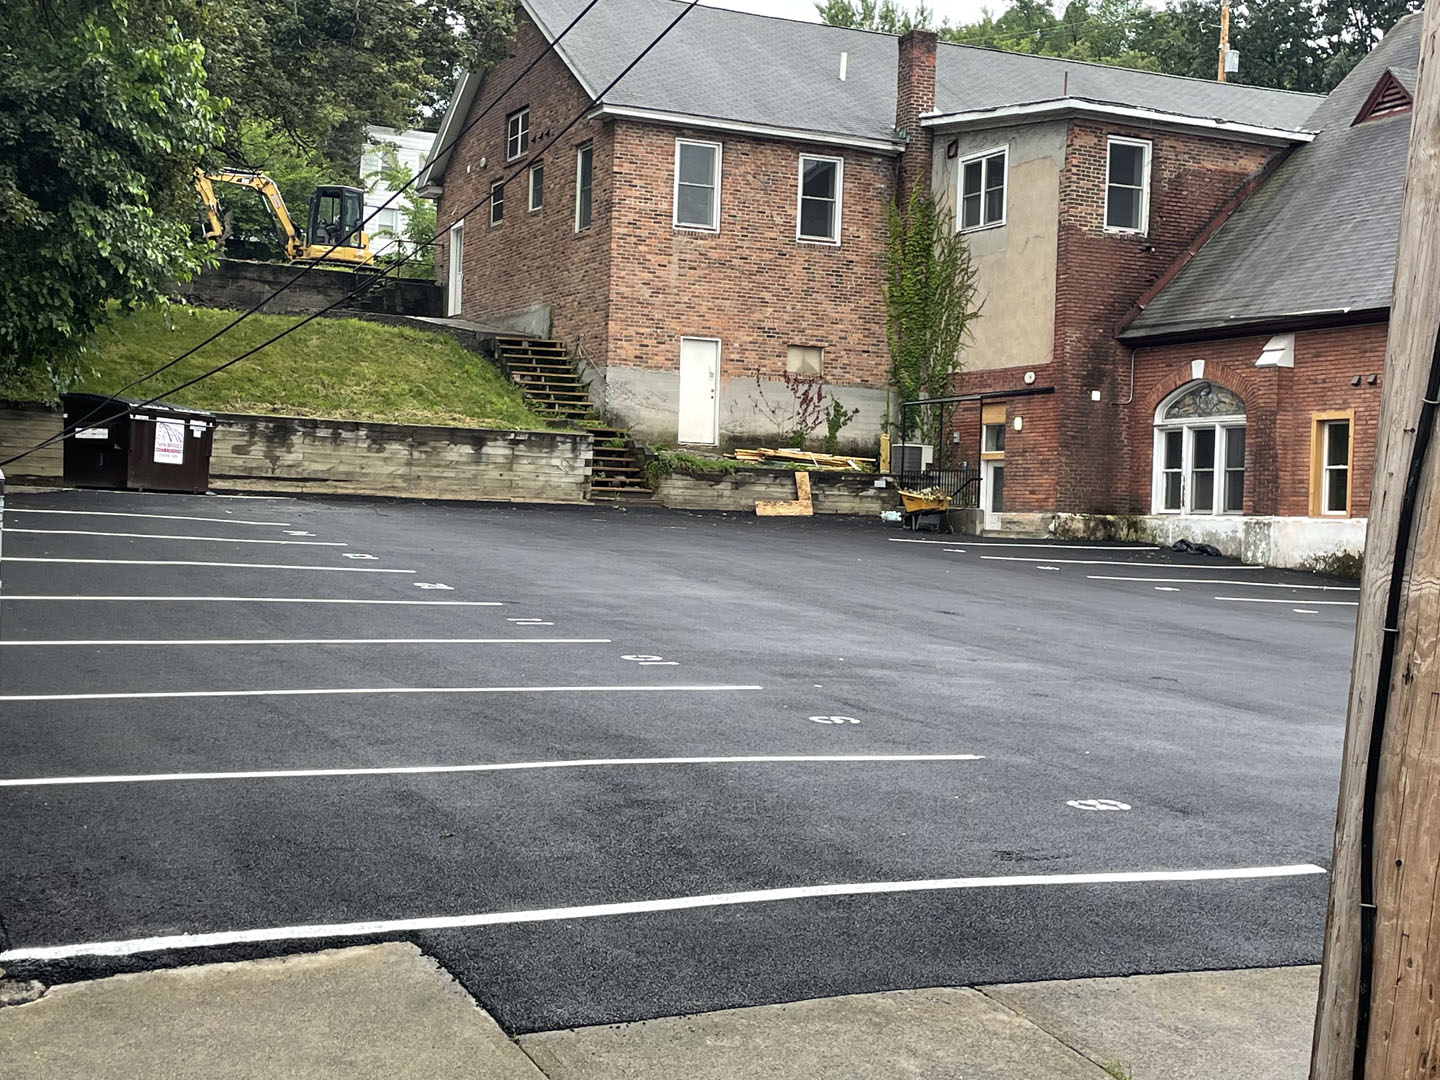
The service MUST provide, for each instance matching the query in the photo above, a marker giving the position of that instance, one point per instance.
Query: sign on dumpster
(170, 442)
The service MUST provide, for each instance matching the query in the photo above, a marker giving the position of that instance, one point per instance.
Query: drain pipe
(1131, 398)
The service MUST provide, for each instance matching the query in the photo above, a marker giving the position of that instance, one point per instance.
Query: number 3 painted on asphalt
(834, 719)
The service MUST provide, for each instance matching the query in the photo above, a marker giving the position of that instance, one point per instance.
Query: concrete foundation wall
(647, 401)
(240, 284)
(831, 492)
(1306, 543)
(23, 426)
(339, 456)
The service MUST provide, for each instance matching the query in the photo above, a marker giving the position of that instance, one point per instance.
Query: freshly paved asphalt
(1219, 722)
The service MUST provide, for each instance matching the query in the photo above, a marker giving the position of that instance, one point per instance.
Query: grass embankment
(345, 369)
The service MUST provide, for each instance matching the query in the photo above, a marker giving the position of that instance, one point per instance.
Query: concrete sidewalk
(390, 1011)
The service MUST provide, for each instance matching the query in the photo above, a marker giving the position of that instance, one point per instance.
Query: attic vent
(1388, 98)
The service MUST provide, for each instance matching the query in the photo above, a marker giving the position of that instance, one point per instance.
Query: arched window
(1200, 451)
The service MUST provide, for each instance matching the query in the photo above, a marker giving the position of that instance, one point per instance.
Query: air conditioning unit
(911, 457)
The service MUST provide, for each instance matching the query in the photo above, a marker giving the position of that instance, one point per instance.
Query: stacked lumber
(807, 457)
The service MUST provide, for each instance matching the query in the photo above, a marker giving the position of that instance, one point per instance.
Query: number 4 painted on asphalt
(433, 585)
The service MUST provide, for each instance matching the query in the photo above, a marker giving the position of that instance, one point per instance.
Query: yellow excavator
(335, 212)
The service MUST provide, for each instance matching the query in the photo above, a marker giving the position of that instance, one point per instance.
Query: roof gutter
(1036, 110)
(740, 127)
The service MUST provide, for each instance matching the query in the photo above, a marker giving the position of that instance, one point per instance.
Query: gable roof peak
(1390, 97)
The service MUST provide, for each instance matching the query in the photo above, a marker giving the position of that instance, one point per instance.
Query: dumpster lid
(164, 409)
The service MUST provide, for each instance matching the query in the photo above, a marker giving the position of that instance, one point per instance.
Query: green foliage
(1307, 45)
(315, 72)
(418, 215)
(929, 288)
(1118, 1071)
(104, 113)
(836, 418)
(340, 368)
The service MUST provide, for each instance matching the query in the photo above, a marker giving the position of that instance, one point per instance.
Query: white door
(454, 294)
(699, 386)
(992, 490)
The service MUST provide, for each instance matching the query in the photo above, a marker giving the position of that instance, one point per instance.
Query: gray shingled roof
(1320, 234)
(727, 65)
(969, 79)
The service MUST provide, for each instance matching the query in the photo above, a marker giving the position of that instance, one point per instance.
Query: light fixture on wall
(1019, 423)
(1094, 395)
(1355, 381)
(952, 148)
(1372, 380)
(1029, 377)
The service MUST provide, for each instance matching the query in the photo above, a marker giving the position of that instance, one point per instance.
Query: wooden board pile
(807, 457)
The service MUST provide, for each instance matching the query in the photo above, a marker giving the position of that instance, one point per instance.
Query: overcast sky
(956, 11)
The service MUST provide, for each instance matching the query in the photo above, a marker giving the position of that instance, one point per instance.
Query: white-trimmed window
(817, 215)
(697, 185)
(982, 189)
(584, 185)
(1200, 452)
(537, 185)
(1332, 446)
(517, 134)
(497, 202)
(1127, 185)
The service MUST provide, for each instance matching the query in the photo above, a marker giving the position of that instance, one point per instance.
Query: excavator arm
(258, 182)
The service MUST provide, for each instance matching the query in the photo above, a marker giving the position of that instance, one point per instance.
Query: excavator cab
(335, 216)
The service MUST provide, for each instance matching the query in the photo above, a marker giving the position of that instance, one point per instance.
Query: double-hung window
(497, 202)
(584, 182)
(1200, 452)
(517, 134)
(1127, 185)
(697, 185)
(818, 214)
(537, 185)
(982, 189)
(1330, 467)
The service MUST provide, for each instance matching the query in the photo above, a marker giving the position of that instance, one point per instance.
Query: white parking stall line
(156, 517)
(1017, 544)
(1220, 581)
(1283, 600)
(355, 691)
(505, 766)
(1119, 562)
(251, 600)
(134, 946)
(164, 536)
(191, 562)
(174, 642)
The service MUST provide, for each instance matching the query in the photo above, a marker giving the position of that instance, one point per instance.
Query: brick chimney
(915, 96)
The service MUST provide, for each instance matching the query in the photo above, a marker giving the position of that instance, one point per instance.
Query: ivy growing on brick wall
(930, 303)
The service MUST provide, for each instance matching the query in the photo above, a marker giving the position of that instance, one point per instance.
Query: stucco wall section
(1016, 260)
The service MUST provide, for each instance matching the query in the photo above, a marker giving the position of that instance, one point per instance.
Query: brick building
(1150, 248)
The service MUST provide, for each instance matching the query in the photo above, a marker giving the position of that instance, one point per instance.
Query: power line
(83, 421)
(522, 167)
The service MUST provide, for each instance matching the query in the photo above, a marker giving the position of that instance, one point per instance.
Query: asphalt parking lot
(607, 764)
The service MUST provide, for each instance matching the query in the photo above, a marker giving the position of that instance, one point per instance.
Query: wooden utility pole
(1379, 1013)
(1224, 39)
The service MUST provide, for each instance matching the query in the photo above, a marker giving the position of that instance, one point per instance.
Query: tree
(883, 16)
(314, 72)
(930, 285)
(104, 114)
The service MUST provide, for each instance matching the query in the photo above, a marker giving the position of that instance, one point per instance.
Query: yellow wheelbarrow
(925, 506)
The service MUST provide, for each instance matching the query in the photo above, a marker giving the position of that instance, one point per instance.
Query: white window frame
(1220, 465)
(983, 156)
(839, 163)
(580, 154)
(517, 134)
(1326, 468)
(494, 202)
(714, 226)
(538, 167)
(1149, 149)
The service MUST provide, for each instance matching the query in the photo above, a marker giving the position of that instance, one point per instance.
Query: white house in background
(407, 149)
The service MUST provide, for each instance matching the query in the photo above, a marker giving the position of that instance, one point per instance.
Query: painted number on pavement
(834, 719)
(433, 585)
(1098, 804)
(646, 660)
